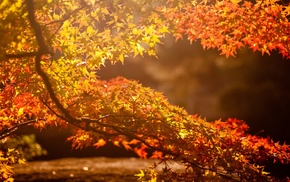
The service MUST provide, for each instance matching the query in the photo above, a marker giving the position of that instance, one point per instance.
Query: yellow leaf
(121, 58)
(5, 176)
(20, 112)
(11, 150)
(117, 143)
(21, 161)
(235, 1)
(9, 180)
(90, 30)
(105, 11)
(12, 159)
(140, 175)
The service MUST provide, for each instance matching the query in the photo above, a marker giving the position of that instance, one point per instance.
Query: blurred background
(250, 87)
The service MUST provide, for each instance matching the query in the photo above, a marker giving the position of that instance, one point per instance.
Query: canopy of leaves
(50, 52)
(231, 24)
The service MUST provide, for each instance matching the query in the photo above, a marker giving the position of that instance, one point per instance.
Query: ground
(96, 169)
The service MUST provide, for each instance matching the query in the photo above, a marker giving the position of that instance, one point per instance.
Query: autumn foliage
(50, 55)
(262, 26)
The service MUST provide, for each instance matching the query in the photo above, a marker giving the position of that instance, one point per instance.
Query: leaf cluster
(8, 157)
(26, 145)
(140, 119)
(51, 52)
(229, 25)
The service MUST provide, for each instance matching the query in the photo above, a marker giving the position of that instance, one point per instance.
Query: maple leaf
(227, 51)
(101, 142)
(156, 155)
(84, 35)
(247, 4)
(255, 47)
(235, 1)
(140, 175)
(141, 151)
(126, 145)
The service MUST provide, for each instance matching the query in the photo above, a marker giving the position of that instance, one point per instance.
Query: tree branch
(125, 132)
(43, 49)
(21, 55)
(9, 131)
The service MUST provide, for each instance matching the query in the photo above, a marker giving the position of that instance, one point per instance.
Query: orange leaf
(101, 142)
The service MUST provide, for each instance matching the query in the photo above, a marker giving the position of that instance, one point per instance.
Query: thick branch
(21, 55)
(43, 49)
